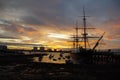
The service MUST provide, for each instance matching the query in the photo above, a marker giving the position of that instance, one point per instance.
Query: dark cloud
(7, 37)
(33, 20)
(14, 31)
(59, 13)
(62, 12)
(20, 44)
(112, 26)
(7, 25)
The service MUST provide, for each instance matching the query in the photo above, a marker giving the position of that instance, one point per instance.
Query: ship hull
(95, 58)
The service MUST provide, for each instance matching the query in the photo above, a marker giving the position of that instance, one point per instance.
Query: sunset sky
(51, 22)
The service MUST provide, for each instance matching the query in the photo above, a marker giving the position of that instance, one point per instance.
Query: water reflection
(36, 59)
(54, 58)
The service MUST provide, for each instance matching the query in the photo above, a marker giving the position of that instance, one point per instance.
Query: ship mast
(84, 27)
(77, 40)
(85, 36)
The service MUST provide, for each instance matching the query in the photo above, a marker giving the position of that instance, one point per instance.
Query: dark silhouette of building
(3, 47)
(49, 50)
(55, 50)
(42, 49)
(35, 48)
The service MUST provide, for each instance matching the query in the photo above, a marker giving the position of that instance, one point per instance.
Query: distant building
(49, 50)
(35, 48)
(55, 50)
(42, 49)
(3, 47)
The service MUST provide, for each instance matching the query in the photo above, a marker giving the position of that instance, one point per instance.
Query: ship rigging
(84, 38)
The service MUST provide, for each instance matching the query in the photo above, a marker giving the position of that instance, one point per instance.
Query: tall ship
(83, 54)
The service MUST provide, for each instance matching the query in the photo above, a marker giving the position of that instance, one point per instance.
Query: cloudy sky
(51, 22)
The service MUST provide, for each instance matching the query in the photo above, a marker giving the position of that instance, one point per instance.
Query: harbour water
(57, 57)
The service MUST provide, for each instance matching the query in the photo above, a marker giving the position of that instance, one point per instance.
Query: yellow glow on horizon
(20, 47)
(53, 36)
(56, 35)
